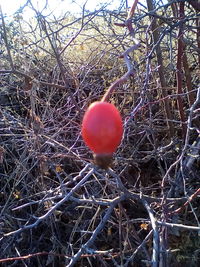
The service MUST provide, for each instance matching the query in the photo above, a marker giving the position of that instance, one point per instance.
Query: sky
(57, 6)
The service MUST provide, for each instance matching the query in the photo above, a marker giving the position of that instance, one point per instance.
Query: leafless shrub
(57, 207)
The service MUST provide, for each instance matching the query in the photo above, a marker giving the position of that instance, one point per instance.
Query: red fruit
(102, 128)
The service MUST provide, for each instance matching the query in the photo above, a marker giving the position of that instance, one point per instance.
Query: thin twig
(46, 215)
(156, 242)
(98, 229)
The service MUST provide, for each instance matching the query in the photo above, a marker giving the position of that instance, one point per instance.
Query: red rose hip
(102, 128)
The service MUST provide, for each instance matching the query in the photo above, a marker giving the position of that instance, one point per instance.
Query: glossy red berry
(102, 128)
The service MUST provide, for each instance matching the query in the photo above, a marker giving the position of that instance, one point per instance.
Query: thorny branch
(125, 55)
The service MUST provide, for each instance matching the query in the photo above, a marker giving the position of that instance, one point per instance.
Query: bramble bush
(57, 207)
